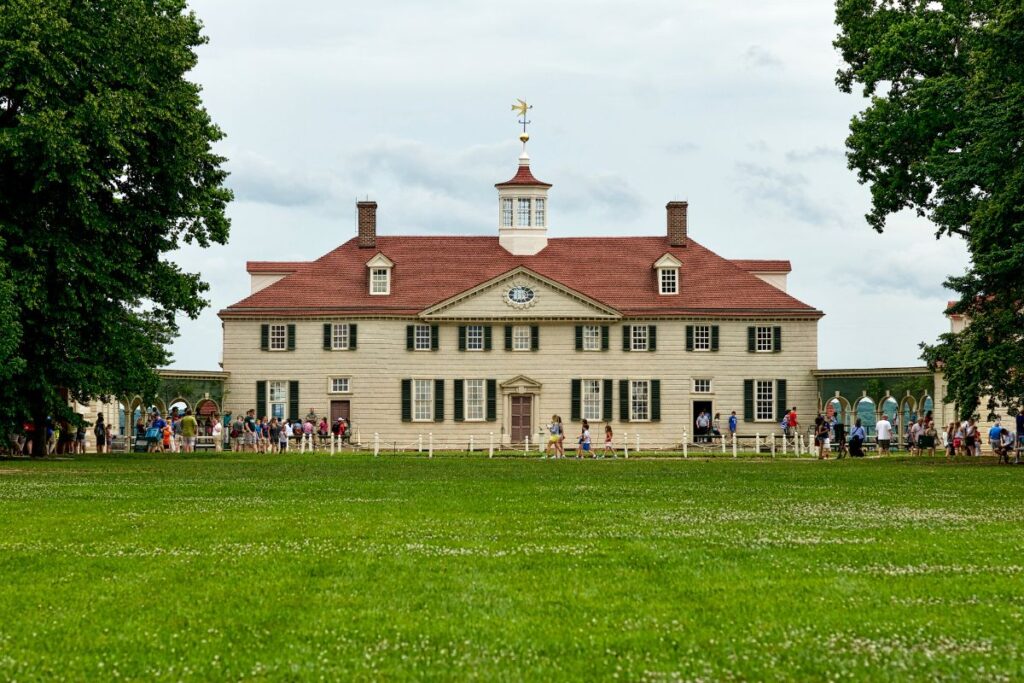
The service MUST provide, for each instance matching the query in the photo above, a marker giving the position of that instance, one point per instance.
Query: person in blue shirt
(993, 436)
(857, 437)
(732, 424)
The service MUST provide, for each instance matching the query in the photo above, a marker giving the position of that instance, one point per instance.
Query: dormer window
(667, 269)
(380, 274)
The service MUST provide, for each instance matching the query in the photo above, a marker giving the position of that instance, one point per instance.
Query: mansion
(404, 335)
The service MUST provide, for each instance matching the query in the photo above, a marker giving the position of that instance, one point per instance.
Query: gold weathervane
(520, 108)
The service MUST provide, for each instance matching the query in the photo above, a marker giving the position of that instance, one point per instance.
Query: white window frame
(332, 388)
(475, 400)
(507, 212)
(592, 400)
(282, 338)
(524, 210)
(764, 387)
(341, 340)
(380, 276)
(697, 387)
(539, 212)
(636, 400)
(420, 341)
(522, 338)
(423, 401)
(277, 395)
(474, 337)
(764, 343)
(668, 281)
(639, 337)
(702, 337)
(591, 337)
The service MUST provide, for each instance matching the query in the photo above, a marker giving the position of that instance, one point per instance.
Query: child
(168, 433)
(583, 443)
(552, 445)
(608, 441)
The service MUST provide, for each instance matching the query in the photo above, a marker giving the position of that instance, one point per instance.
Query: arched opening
(177, 407)
(891, 409)
(207, 412)
(928, 407)
(122, 417)
(840, 408)
(908, 416)
(864, 410)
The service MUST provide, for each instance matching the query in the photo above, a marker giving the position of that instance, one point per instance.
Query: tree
(106, 165)
(944, 136)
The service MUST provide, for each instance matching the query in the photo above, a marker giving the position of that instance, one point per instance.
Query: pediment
(668, 261)
(521, 383)
(380, 261)
(520, 294)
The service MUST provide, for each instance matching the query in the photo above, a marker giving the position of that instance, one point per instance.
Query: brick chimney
(676, 215)
(368, 224)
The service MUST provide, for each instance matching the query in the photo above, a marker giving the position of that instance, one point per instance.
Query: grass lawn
(317, 567)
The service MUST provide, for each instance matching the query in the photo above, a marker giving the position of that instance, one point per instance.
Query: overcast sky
(730, 105)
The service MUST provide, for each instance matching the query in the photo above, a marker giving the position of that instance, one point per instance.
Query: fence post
(771, 438)
(470, 443)
(638, 444)
(799, 444)
(526, 445)
(625, 444)
(430, 453)
(490, 448)
(784, 443)
(723, 444)
(686, 439)
(376, 444)
(359, 437)
(419, 444)
(757, 443)
(332, 444)
(733, 444)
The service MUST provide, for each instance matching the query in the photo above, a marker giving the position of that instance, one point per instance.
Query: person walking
(608, 440)
(702, 426)
(883, 434)
(839, 432)
(716, 425)
(188, 428)
(583, 443)
(100, 432)
(971, 437)
(217, 431)
(821, 437)
(926, 440)
(857, 437)
(733, 423)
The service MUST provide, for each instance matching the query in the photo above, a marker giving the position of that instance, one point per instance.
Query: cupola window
(524, 212)
(506, 212)
(538, 212)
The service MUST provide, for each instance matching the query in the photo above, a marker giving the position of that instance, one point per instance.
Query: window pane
(639, 333)
(339, 336)
(639, 400)
(379, 281)
(278, 337)
(339, 385)
(592, 405)
(764, 339)
(669, 280)
(521, 338)
(702, 337)
(474, 399)
(506, 213)
(423, 399)
(524, 213)
(591, 338)
(278, 391)
(422, 338)
(764, 404)
(702, 386)
(538, 206)
(475, 338)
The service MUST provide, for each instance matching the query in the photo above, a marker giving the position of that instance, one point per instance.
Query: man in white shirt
(883, 433)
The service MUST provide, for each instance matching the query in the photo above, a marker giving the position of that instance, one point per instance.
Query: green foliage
(106, 166)
(943, 135)
(310, 567)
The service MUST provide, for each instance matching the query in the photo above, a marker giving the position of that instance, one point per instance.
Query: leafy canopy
(944, 135)
(106, 165)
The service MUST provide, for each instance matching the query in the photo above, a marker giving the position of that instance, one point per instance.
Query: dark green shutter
(689, 337)
(751, 339)
(714, 337)
(406, 400)
(780, 399)
(327, 336)
(776, 339)
(574, 411)
(655, 400)
(624, 400)
(508, 337)
(293, 399)
(609, 400)
(291, 337)
(265, 337)
(462, 337)
(410, 337)
(261, 399)
(627, 344)
(459, 413)
(534, 338)
(352, 336)
(605, 333)
(652, 337)
(487, 338)
(438, 400)
(434, 338)
(579, 337)
(492, 400)
(748, 400)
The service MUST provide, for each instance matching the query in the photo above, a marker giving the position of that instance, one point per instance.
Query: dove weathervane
(520, 108)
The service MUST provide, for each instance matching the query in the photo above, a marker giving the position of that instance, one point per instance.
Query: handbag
(152, 434)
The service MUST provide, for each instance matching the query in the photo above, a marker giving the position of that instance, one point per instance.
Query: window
(538, 212)
(669, 280)
(475, 399)
(380, 280)
(339, 385)
(423, 399)
(591, 338)
(521, 338)
(592, 405)
(702, 386)
(639, 338)
(701, 337)
(524, 213)
(278, 392)
(475, 338)
(339, 336)
(763, 339)
(278, 337)
(421, 339)
(506, 213)
(764, 399)
(639, 400)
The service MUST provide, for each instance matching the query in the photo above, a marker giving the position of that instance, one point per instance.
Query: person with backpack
(857, 437)
(100, 431)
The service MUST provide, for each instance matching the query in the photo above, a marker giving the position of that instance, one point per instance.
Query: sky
(731, 106)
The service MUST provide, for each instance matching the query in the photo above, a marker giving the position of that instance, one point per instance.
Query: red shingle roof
(763, 265)
(523, 177)
(616, 271)
(273, 267)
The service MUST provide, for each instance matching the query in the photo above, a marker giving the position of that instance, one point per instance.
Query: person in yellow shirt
(189, 428)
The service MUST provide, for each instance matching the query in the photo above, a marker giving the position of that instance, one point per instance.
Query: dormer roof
(379, 260)
(667, 261)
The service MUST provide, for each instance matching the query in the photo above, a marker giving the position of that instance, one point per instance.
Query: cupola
(523, 203)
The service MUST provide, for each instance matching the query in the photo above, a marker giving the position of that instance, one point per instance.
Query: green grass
(312, 567)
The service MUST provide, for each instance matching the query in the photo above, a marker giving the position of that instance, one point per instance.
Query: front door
(702, 434)
(341, 409)
(522, 418)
